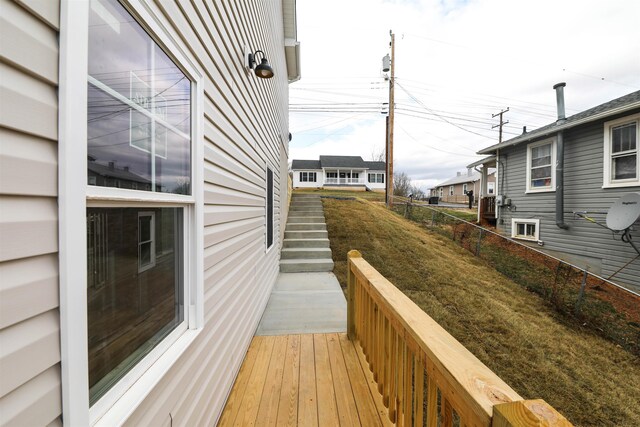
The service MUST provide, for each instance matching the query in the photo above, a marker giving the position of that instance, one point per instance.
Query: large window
(376, 178)
(308, 176)
(139, 188)
(621, 164)
(541, 170)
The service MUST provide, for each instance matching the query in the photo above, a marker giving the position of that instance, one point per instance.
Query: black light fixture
(263, 70)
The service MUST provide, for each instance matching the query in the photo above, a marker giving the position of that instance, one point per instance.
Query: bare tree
(377, 154)
(401, 184)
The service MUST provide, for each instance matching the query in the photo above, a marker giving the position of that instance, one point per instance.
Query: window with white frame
(440, 191)
(525, 229)
(541, 169)
(621, 153)
(464, 188)
(491, 187)
(308, 177)
(376, 178)
(451, 190)
(140, 205)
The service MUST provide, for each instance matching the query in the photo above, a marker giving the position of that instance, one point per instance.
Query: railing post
(527, 413)
(351, 295)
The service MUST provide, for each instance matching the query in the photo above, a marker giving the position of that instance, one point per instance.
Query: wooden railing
(488, 207)
(425, 376)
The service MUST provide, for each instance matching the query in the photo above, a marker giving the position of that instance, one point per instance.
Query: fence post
(479, 240)
(525, 413)
(433, 214)
(351, 295)
(581, 293)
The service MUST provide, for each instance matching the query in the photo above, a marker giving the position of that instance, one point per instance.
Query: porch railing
(488, 207)
(422, 372)
(344, 181)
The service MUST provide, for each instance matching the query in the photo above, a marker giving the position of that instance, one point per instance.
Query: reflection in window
(134, 294)
(139, 102)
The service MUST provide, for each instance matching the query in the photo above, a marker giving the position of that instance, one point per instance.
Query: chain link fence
(588, 300)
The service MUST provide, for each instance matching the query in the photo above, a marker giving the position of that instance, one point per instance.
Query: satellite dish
(624, 212)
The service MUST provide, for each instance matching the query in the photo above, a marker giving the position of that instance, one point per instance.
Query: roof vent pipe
(560, 100)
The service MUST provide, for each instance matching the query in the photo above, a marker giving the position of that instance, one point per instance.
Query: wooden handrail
(414, 360)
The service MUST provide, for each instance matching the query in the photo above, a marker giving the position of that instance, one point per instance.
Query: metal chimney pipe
(560, 159)
(560, 100)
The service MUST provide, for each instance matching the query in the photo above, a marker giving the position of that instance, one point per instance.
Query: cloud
(457, 64)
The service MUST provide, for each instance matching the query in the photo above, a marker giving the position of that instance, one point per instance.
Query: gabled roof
(342, 162)
(618, 105)
(376, 166)
(460, 179)
(305, 164)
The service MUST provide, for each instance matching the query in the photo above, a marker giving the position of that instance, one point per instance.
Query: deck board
(304, 380)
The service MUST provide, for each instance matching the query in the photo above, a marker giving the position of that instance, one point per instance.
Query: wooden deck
(305, 380)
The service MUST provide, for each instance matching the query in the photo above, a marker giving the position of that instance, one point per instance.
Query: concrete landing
(304, 303)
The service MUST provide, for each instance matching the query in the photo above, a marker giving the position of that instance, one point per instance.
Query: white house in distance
(454, 190)
(143, 196)
(339, 172)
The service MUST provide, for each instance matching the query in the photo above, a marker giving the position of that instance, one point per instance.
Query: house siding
(583, 243)
(245, 131)
(29, 317)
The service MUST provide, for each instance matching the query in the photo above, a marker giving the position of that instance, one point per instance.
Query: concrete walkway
(304, 303)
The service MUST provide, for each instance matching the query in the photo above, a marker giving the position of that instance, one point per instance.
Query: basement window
(525, 229)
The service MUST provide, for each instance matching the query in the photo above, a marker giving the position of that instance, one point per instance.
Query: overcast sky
(457, 63)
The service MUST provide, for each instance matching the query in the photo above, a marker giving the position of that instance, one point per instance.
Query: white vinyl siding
(241, 128)
(29, 295)
(622, 152)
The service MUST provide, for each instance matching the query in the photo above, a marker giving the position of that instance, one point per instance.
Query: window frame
(378, 177)
(151, 241)
(491, 188)
(452, 190)
(76, 195)
(607, 180)
(552, 186)
(530, 221)
(465, 186)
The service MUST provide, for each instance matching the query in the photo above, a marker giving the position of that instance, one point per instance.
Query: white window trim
(266, 208)
(516, 221)
(551, 188)
(491, 188)
(465, 188)
(607, 181)
(74, 198)
(451, 190)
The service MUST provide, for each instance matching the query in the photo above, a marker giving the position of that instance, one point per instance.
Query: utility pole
(390, 125)
(500, 124)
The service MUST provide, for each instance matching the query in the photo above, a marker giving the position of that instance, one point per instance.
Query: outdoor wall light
(263, 70)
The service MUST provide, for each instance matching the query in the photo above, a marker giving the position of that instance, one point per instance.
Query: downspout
(560, 158)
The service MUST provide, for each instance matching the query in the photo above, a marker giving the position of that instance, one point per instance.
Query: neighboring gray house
(339, 172)
(143, 196)
(598, 150)
(454, 190)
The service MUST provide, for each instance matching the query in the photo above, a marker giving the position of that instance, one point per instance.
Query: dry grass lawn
(590, 380)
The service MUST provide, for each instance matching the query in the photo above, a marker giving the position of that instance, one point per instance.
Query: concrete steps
(306, 243)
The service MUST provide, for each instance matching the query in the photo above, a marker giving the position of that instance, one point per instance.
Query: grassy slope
(591, 381)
